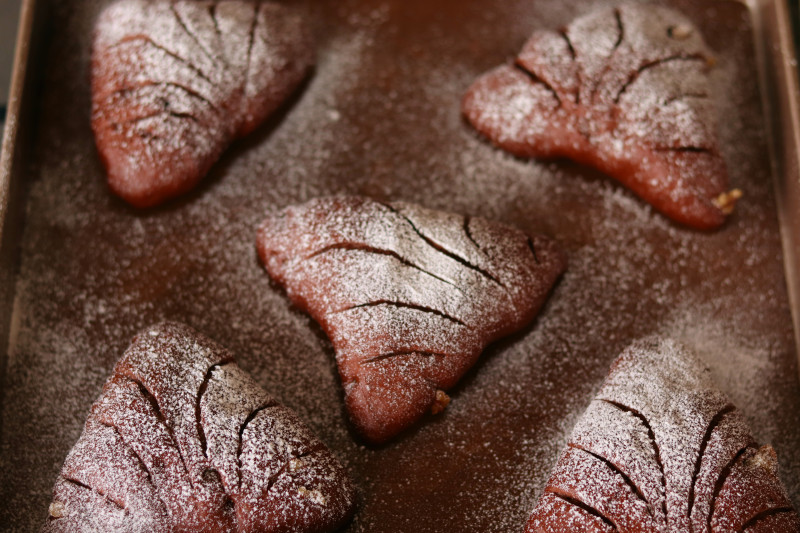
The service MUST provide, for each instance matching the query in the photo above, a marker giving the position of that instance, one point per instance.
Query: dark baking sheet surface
(380, 116)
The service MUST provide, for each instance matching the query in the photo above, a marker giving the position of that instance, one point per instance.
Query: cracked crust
(183, 440)
(409, 296)
(624, 90)
(661, 449)
(175, 82)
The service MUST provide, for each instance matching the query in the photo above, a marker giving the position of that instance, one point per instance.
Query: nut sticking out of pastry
(175, 82)
(660, 449)
(182, 439)
(623, 90)
(409, 297)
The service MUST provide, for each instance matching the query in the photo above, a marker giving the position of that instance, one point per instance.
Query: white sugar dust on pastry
(174, 83)
(409, 296)
(182, 439)
(660, 449)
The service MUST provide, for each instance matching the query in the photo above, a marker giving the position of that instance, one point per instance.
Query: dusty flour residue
(380, 117)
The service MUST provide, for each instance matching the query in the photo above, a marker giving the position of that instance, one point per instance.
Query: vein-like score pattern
(625, 90)
(409, 296)
(174, 82)
(182, 439)
(661, 450)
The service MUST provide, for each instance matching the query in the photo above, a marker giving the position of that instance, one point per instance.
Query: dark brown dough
(409, 296)
(182, 440)
(624, 90)
(175, 82)
(660, 450)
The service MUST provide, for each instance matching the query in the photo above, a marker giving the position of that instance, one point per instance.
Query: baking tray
(82, 272)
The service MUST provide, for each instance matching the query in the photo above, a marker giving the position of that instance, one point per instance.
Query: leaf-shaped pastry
(660, 450)
(408, 296)
(175, 82)
(624, 90)
(182, 439)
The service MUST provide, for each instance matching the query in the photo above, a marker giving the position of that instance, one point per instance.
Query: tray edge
(780, 100)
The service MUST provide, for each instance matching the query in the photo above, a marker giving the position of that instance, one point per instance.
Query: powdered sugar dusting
(174, 82)
(409, 296)
(182, 439)
(661, 449)
(380, 117)
(624, 90)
